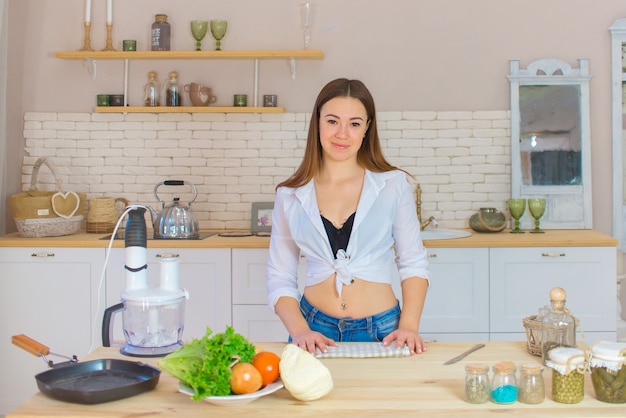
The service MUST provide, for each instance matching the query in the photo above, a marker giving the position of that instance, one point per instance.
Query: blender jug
(152, 316)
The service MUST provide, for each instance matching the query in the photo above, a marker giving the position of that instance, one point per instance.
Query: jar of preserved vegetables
(503, 386)
(568, 374)
(530, 388)
(477, 383)
(608, 371)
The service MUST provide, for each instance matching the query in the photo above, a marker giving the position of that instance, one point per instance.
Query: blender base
(132, 351)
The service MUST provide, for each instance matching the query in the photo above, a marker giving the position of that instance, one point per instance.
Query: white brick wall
(461, 159)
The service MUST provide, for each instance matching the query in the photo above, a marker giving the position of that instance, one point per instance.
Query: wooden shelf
(187, 109)
(178, 55)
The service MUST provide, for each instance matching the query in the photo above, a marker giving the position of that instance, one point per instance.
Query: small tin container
(116, 100)
(608, 371)
(270, 100)
(568, 374)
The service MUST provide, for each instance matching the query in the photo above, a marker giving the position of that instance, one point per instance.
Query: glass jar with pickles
(608, 371)
(568, 374)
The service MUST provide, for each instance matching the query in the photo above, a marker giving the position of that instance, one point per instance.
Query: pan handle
(107, 324)
(31, 346)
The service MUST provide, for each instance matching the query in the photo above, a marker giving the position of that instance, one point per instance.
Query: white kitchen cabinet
(521, 280)
(252, 316)
(457, 303)
(204, 272)
(51, 295)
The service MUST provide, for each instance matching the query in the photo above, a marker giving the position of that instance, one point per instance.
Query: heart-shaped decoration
(65, 204)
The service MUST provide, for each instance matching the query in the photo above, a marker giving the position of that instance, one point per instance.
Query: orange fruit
(245, 378)
(266, 363)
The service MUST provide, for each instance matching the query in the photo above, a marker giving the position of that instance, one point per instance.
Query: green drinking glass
(537, 207)
(199, 30)
(218, 30)
(516, 209)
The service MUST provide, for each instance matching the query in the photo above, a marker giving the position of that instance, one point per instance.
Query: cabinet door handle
(432, 255)
(167, 255)
(553, 255)
(42, 255)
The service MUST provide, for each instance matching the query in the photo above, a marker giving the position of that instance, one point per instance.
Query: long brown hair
(369, 156)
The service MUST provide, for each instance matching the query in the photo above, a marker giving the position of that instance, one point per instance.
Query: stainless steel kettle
(175, 221)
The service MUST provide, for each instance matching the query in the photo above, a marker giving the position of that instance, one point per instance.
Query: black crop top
(338, 238)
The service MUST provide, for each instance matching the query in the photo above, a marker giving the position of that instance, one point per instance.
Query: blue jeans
(368, 329)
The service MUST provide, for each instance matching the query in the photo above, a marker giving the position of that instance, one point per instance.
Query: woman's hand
(412, 339)
(310, 340)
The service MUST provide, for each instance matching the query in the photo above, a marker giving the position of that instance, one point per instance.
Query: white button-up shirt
(385, 231)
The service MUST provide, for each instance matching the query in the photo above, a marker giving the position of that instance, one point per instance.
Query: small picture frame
(261, 217)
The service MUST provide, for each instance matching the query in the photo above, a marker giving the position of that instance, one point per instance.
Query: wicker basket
(533, 335)
(48, 227)
(47, 213)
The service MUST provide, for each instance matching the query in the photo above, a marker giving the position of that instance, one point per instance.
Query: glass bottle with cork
(503, 385)
(558, 325)
(172, 91)
(151, 91)
(477, 388)
(531, 388)
(160, 33)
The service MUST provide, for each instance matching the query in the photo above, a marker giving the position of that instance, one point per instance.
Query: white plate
(235, 400)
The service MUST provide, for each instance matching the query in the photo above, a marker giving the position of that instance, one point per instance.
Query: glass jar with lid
(608, 371)
(530, 388)
(568, 374)
(503, 385)
(160, 33)
(558, 326)
(477, 383)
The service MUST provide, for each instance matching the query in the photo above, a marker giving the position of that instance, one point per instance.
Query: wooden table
(386, 387)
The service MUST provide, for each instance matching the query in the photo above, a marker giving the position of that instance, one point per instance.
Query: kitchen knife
(464, 354)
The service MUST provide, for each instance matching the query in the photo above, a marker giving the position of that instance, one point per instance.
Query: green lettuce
(203, 364)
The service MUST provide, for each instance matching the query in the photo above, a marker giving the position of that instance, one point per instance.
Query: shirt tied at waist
(343, 274)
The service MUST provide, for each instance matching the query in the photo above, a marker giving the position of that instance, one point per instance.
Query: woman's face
(343, 123)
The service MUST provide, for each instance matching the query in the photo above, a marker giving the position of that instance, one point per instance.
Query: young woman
(352, 215)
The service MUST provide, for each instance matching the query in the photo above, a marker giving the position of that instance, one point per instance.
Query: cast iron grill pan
(90, 382)
(97, 381)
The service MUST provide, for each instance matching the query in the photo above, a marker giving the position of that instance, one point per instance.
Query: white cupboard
(521, 280)
(51, 295)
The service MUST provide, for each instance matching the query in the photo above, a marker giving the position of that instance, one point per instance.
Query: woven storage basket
(47, 213)
(533, 335)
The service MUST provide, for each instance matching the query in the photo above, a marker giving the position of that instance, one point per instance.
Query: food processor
(152, 316)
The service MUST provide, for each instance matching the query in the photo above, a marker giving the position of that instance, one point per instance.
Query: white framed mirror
(550, 141)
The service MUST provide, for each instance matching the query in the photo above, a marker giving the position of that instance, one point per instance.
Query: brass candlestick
(87, 41)
(109, 44)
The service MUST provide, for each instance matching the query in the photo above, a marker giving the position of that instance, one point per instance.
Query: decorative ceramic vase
(488, 220)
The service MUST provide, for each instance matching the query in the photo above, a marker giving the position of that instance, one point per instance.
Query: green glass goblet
(537, 207)
(218, 30)
(199, 30)
(516, 208)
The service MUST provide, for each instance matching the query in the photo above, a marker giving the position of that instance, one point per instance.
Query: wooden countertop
(551, 238)
(384, 387)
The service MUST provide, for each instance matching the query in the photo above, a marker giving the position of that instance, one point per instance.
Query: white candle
(87, 10)
(109, 11)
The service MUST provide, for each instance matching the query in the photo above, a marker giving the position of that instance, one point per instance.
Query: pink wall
(413, 54)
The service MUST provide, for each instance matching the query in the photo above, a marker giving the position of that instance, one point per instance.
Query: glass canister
(608, 371)
(568, 374)
(531, 388)
(503, 385)
(151, 94)
(173, 95)
(558, 326)
(477, 383)
(161, 33)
